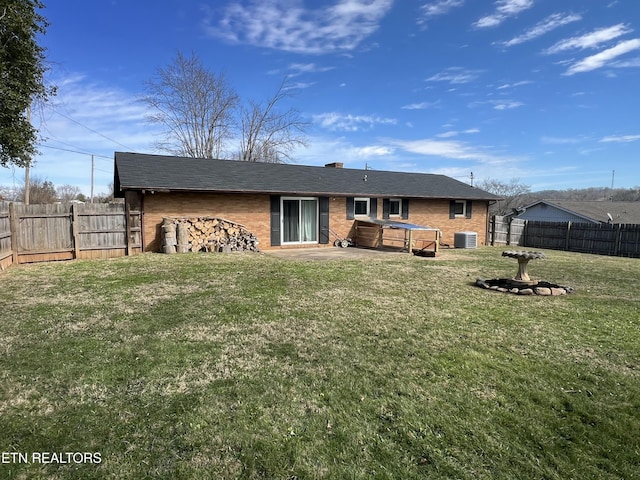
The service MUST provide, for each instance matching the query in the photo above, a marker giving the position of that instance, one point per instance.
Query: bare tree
(269, 135)
(511, 192)
(66, 193)
(40, 191)
(9, 194)
(105, 197)
(196, 107)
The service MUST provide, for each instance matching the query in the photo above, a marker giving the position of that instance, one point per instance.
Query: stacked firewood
(206, 234)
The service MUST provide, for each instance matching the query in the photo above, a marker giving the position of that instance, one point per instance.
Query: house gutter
(146, 190)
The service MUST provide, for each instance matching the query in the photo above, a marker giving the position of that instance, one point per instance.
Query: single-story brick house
(288, 205)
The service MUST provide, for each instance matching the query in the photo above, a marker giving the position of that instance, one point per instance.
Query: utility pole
(613, 173)
(92, 165)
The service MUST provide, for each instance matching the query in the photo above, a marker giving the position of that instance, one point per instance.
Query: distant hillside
(586, 194)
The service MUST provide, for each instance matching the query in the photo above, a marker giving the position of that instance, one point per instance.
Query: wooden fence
(506, 230)
(621, 240)
(50, 232)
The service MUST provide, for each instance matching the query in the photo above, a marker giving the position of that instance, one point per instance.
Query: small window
(361, 206)
(460, 208)
(395, 207)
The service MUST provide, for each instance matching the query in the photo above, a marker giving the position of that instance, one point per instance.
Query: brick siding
(253, 211)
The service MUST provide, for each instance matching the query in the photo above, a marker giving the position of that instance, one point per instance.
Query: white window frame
(362, 199)
(399, 202)
(317, 225)
(464, 208)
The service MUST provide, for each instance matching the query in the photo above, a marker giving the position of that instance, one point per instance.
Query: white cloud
(322, 150)
(502, 104)
(562, 140)
(289, 26)
(87, 118)
(296, 69)
(437, 8)
(95, 117)
(504, 10)
(455, 76)
(549, 24)
(373, 151)
(420, 106)
(300, 85)
(513, 85)
(455, 133)
(633, 63)
(603, 58)
(350, 123)
(590, 40)
(450, 149)
(621, 139)
(449, 134)
(506, 105)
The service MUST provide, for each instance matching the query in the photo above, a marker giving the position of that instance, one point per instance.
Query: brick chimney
(335, 165)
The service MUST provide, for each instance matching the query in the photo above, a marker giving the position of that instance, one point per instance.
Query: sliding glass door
(299, 220)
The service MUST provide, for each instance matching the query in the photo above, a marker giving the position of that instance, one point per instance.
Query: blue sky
(545, 91)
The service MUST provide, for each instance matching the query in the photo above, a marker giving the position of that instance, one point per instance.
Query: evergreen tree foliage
(22, 71)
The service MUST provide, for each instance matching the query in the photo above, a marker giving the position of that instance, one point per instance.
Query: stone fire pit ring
(522, 284)
(508, 285)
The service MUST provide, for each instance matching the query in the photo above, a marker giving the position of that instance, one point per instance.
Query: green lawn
(249, 366)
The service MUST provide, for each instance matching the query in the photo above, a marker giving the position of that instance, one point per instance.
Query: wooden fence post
(13, 228)
(75, 230)
(127, 223)
(493, 230)
(618, 241)
(567, 236)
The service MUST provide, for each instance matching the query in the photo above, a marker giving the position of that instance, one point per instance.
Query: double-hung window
(361, 207)
(460, 209)
(395, 207)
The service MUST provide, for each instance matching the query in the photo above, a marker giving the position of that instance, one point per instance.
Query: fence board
(601, 239)
(34, 233)
(593, 238)
(629, 241)
(45, 227)
(506, 231)
(5, 236)
(550, 235)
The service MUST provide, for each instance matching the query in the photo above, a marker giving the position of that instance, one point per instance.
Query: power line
(92, 155)
(74, 151)
(92, 130)
(53, 137)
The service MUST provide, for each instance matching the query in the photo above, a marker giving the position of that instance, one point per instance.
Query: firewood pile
(206, 234)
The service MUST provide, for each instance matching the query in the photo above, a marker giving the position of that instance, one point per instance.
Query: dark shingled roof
(135, 171)
(597, 210)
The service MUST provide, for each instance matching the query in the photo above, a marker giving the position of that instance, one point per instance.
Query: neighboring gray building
(584, 212)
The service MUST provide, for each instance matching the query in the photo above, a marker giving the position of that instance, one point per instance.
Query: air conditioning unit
(465, 239)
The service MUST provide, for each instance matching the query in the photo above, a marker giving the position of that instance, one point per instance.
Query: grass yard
(254, 367)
